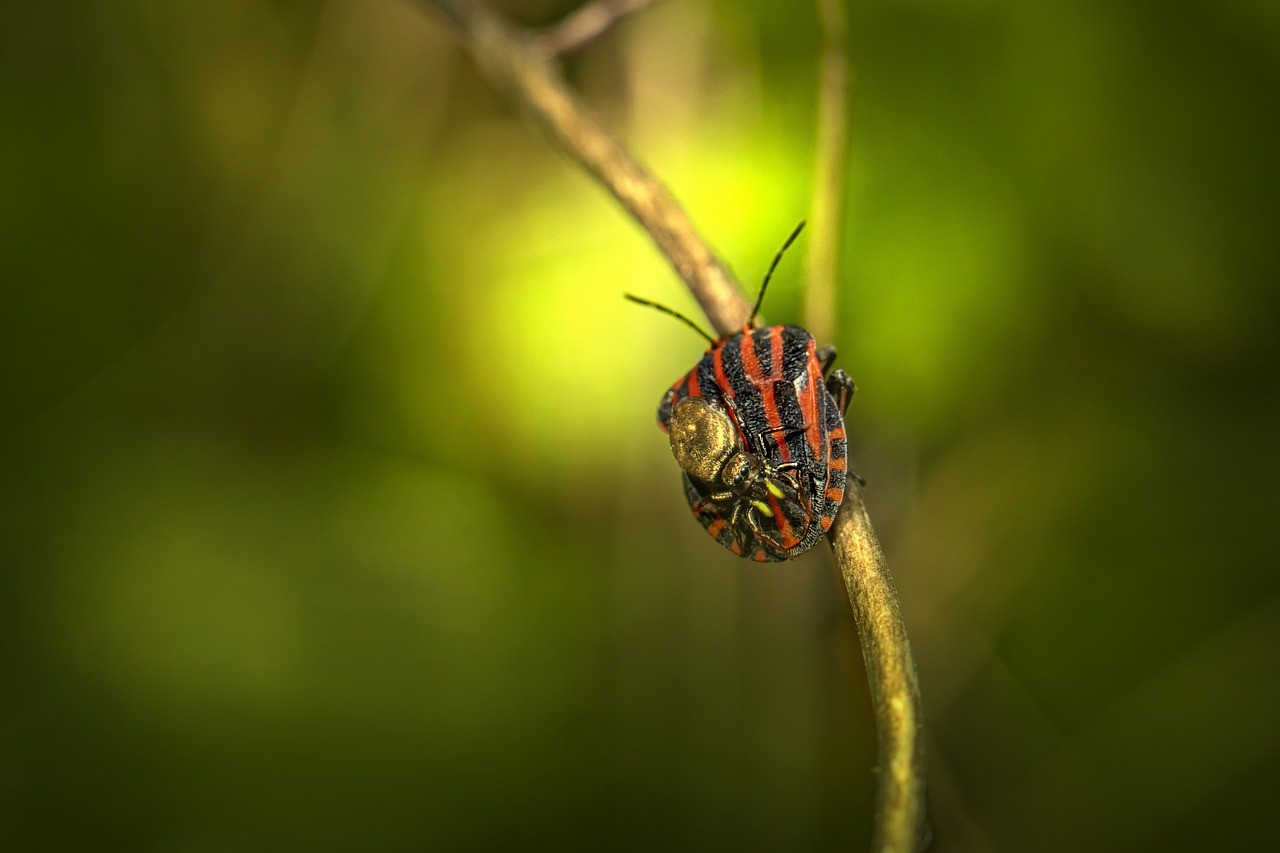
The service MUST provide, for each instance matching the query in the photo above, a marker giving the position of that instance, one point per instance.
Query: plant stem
(516, 62)
(901, 816)
(828, 174)
(586, 24)
(901, 802)
(512, 62)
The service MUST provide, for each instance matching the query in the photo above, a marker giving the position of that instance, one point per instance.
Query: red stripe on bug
(751, 365)
(838, 432)
(715, 527)
(694, 389)
(789, 538)
(826, 523)
(760, 557)
(717, 362)
(835, 494)
(775, 354)
(840, 464)
(809, 399)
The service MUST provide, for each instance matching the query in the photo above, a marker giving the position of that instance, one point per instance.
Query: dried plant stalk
(521, 64)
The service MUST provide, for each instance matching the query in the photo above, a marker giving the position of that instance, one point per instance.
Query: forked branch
(586, 24)
(522, 65)
(513, 62)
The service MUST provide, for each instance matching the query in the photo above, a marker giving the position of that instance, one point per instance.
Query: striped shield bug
(757, 427)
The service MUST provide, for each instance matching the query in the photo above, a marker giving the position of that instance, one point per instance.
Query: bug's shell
(771, 384)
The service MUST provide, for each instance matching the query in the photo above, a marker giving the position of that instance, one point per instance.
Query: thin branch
(901, 822)
(828, 173)
(518, 63)
(512, 62)
(587, 24)
(901, 815)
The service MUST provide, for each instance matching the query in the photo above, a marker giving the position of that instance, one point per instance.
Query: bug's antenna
(772, 267)
(664, 309)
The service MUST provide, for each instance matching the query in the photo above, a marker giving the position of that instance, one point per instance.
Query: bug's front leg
(826, 357)
(839, 385)
(753, 521)
(735, 515)
(841, 388)
(788, 476)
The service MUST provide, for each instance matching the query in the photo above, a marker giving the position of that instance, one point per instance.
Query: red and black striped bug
(757, 427)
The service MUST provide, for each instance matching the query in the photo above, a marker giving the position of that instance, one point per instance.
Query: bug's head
(747, 475)
(703, 438)
(742, 473)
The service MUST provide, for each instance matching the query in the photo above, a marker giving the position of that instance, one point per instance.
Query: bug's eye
(738, 471)
(742, 471)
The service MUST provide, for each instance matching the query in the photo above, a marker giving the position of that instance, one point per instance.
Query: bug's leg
(740, 518)
(753, 521)
(826, 358)
(787, 474)
(841, 387)
(735, 515)
(787, 433)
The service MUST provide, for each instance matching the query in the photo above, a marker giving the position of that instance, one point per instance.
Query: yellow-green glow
(334, 510)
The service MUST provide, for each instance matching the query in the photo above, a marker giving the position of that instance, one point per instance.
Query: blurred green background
(334, 515)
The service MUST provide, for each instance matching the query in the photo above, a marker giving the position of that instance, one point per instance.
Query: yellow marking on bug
(773, 490)
(763, 507)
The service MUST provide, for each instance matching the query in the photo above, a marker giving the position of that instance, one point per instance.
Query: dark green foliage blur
(333, 515)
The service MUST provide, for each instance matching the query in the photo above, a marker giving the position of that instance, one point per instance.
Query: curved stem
(901, 802)
(516, 62)
(512, 61)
